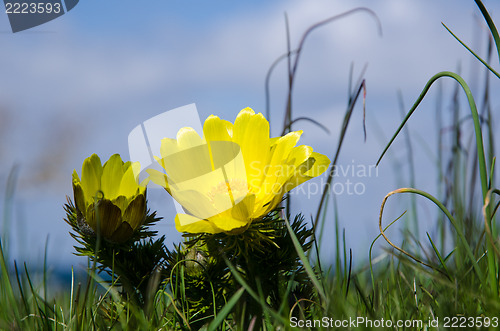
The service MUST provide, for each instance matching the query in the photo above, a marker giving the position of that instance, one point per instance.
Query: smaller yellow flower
(109, 199)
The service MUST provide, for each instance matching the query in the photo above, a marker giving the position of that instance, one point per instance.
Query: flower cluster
(230, 183)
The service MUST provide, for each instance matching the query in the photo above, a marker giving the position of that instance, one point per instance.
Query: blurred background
(80, 83)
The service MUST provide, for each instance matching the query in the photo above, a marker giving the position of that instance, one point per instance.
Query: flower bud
(108, 199)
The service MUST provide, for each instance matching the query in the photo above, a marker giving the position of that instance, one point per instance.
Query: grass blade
(491, 25)
(226, 310)
(307, 266)
(450, 218)
(438, 255)
(472, 52)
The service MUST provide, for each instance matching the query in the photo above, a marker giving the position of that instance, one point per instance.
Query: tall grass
(420, 287)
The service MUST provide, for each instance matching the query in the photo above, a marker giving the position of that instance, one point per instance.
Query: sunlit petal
(158, 178)
(216, 129)
(168, 147)
(128, 184)
(251, 132)
(191, 224)
(278, 171)
(195, 203)
(188, 138)
(315, 165)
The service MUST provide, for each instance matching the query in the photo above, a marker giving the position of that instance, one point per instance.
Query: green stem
(445, 210)
(480, 155)
(491, 25)
(253, 309)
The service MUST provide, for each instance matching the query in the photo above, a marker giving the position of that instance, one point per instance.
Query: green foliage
(265, 257)
(130, 264)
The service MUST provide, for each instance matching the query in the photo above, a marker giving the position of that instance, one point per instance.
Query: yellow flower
(109, 199)
(235, 174)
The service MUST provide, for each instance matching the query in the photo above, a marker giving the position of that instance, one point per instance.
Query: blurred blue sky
(79, 84)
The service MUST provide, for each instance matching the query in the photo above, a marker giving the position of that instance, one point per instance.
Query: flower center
(226, 195)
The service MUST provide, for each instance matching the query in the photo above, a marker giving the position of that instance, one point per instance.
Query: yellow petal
(321, 164)
(215, 129)
(91, 176)
(144, 183)
(128, 183)
(79, 197)
(251, 132)
(272, 203)
(168, 147)
(75, 177)
(158, 178)
(230, 224)
(242, 211)
(187, 164)
(111, 176)
(227, 158)
(284, 145)
(273, 141)
(314, 166)
(299, 155)
(237, 217)
(278, 171)
(191, 224)
(188, 138)
(121, 202)
(195, 203)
